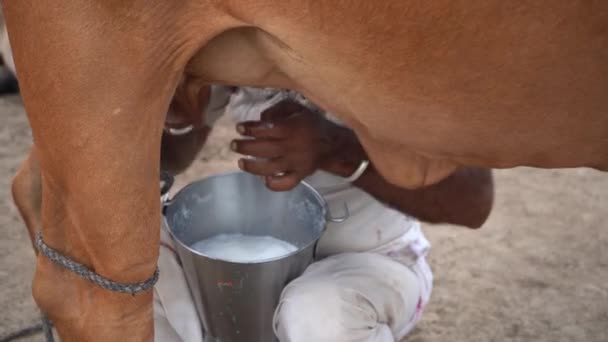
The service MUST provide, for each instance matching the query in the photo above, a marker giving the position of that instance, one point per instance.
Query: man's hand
(288, 144)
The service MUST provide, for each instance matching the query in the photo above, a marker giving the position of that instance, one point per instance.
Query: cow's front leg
(96, 79)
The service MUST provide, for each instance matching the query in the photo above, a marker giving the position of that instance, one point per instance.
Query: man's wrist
(340, 167)
(346, 155)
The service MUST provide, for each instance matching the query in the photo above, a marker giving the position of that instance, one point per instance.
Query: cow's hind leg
(96, 79)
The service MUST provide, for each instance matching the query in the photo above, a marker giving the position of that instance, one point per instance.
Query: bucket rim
(310, 188)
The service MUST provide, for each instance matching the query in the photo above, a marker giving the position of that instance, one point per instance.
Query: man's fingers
(264, 167)
(281, 110)
(272, 122)
(258, 148)
(283, 183)
(262, 129)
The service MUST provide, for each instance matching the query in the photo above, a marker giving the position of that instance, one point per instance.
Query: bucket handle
(328, 214)
(330, 217)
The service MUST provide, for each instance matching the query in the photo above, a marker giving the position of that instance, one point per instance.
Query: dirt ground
(537, 271)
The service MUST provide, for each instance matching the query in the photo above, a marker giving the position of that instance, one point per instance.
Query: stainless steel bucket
(236, 301)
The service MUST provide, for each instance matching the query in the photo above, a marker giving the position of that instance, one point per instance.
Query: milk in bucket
(243, 248)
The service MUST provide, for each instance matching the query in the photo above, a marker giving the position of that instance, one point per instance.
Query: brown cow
(478, 83)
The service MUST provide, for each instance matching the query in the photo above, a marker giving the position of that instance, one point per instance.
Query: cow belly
(421, 99)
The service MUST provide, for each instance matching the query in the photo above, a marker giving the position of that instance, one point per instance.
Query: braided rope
(25, 332)
(47, 329)
(91, 276)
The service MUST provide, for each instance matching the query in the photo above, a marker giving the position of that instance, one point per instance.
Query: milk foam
(243, 248)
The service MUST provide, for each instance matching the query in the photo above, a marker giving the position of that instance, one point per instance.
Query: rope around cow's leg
(47, 328)
(90, 275)
(25, 332)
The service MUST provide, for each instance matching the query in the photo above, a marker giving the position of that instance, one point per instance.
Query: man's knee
(338, 299)
(318, 310)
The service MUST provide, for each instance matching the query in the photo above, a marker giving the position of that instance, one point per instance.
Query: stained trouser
(358, 297)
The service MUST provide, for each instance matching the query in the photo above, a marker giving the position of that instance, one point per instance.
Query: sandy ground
(537, 271)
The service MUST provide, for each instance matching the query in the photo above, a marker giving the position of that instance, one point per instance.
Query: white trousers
(350, 297)
(358, 297)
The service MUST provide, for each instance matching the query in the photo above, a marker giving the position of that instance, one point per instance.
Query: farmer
(370, 281)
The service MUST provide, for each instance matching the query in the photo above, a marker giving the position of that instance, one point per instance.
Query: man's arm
(464, 198)
(298, 142)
